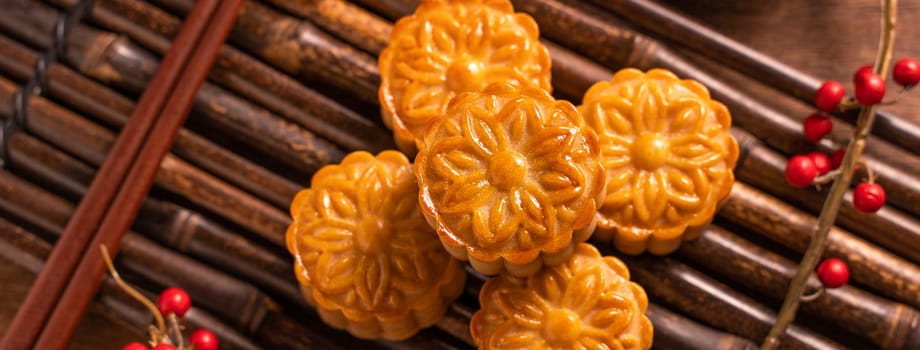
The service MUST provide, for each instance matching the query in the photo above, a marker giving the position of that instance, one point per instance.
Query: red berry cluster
(175, 301)
(802, 170)
(869, 89)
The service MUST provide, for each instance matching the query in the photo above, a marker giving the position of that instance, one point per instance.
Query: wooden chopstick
(61, 325)
(29, 321)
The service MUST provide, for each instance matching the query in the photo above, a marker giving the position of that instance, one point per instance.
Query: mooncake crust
(668, 155)
(510, 179)
(364, 255)
(585, 303)
(450, 47)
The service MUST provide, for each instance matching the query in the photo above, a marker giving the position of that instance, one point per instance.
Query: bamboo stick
(228, 298)
(676, 285)
(679, 28)
(890, 275)
(234, 301)
(392, 9)
(676, 332)
(23, 248)
(339, 17)
(301, 49)
(249, 77)
(295, 146)
(179, 228)
(887, 324)
(891, 228)
(111, 108)
(370, 33)
(90, 143)
(876, 268)
(30, 324)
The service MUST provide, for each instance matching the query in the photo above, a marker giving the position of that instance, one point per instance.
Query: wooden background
(827, 38)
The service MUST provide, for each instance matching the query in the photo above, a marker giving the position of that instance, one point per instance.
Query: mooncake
(363, 253)
(510, 179)
(586, 303)
(449, 47)
(668, 157)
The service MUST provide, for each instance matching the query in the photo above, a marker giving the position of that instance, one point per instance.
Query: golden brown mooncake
(363, 253)
(586, 303)
(510, 179)
(668, 155)
(449, 47)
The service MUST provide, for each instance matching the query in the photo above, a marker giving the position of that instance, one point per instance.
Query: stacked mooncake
(511, 180)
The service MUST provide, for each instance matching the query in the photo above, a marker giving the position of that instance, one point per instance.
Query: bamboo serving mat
(295, 88)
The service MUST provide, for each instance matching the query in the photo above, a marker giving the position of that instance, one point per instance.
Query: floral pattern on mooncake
(586, 303)
(668, 155)
(364, 255)
(450, 47)
(510, 179)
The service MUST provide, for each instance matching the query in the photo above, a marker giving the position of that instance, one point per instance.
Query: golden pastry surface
(450, 47)
(364, 254)
(586, 303)
(508, 174)
(668, 155)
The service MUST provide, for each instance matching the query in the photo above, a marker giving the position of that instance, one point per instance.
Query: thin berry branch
(904, 91)
(848, 104)
(832, 205)
(827, 178)
(161, 325)
(870, 174)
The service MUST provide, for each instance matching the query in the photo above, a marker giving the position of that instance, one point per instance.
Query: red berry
(801, 171)
(164, 347)
(174, 300)
(203, 339)
(833, 272)
(135, 346)
(868, 197)
(816, 126)
(837, 158)
(822, 162)
(870, 89)
(829, 95)
(861, 72)
(906, 71)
